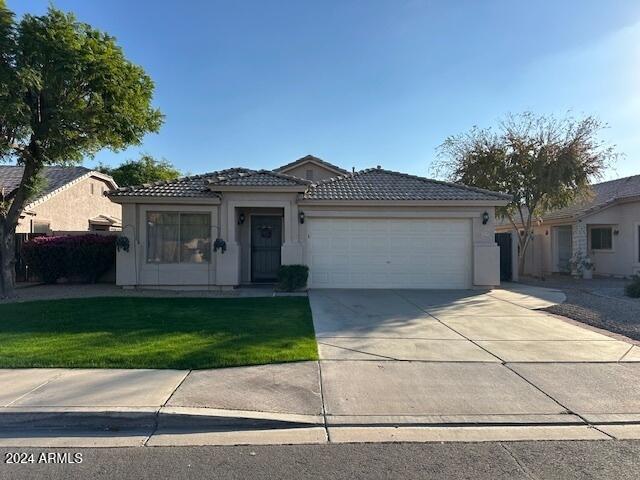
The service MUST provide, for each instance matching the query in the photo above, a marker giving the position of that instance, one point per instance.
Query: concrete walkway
(395, 366)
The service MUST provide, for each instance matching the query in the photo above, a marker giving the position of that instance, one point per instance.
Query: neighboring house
(369, 229)
(605, 227)
(72, 199)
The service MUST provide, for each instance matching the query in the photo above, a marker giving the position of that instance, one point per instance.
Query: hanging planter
(220, 244)
(122, 243)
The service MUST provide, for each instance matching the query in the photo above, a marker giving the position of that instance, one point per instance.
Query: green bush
(292, 277)
(81, 257)
(633, 289)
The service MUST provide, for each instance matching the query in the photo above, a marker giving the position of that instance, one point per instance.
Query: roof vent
(378, 167)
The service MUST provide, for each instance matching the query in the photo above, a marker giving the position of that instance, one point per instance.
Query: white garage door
(389, 253)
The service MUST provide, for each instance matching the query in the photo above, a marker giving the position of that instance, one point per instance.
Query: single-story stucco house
(71, 200)
(605, 227)
(369, 229)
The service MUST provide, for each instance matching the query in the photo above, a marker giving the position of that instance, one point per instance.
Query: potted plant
(587, 268)
(582, 266)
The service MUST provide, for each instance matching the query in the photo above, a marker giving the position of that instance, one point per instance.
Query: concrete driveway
(434, 357)
(450, 326)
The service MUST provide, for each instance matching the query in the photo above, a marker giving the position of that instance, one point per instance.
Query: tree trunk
(9, 221)
(523, 243)
(521, 261)
(7, 260)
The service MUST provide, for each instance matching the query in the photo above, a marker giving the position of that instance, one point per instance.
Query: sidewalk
(273, 404)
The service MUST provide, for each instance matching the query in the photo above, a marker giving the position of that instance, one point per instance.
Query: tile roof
(311, 158)
(603, 194)
(257, 178)
(56, 177)
(202, 185)
(191, 186)
(379, 184)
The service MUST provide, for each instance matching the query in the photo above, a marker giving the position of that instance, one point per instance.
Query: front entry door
(266, 240)
(565, 248)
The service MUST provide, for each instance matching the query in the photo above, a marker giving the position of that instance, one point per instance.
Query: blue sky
(364, 83)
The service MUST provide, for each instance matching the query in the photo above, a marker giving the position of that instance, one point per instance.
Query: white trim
(258, 188)
(391, 214)
(406, 203)
(166, 200)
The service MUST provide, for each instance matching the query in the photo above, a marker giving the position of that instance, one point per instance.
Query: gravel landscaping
(599, 302)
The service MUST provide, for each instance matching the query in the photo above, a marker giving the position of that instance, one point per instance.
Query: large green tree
(144, 170)
(543, 161)
(66, 92)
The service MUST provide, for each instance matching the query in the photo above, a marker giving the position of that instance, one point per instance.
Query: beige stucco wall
(541, 256)
(623, 259)
(71, 208)
(132, 267)
(233, 267)
(319, 172)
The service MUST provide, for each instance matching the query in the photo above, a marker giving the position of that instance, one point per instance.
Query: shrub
(81, 257)
(292, 277)
(633, 289)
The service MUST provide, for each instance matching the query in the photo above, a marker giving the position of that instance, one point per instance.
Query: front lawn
(182, 333)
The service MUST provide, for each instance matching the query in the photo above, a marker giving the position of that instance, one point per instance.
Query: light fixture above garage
(485, 218)
(301, 217)
(241, 219)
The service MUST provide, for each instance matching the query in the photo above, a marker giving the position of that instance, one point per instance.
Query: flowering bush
(81, 257)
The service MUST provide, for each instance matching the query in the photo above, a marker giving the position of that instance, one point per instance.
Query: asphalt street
(497, 460)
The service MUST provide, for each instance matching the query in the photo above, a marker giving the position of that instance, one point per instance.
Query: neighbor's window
(175, 237)
(601, 238)
(309, 175)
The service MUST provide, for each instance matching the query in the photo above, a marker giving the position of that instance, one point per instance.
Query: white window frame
(179, 213)
(600, 227)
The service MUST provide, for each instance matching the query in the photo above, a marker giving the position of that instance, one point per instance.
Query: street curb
(144, 418)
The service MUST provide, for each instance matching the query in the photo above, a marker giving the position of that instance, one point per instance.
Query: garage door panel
(390, 253)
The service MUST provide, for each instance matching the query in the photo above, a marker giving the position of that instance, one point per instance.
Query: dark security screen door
(266, 240)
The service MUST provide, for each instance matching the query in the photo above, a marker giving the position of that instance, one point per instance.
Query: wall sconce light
(485, 218)
(241, 219)
(301, 217)
(616, 232)
(546, 232)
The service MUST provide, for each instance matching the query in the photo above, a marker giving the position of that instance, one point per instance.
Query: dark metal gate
(506, 268)
(22, 270)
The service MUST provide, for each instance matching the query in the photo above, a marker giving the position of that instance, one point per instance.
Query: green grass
(128, 332)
